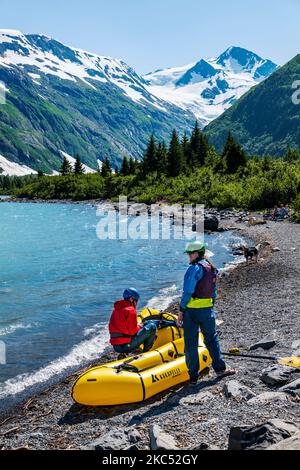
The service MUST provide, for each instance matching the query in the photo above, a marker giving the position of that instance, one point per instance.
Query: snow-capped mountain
(62, 99)
(40, 55)
(210, 86)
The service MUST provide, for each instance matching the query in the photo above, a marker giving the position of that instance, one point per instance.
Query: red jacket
(123, 321)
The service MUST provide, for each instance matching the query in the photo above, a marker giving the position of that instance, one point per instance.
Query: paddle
(293, 361)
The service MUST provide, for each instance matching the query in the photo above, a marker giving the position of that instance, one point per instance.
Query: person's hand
(180, 319)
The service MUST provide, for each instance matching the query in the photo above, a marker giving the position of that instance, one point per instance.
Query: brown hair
(203, 257)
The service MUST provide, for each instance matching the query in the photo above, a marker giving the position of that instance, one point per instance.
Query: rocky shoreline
(256, 409)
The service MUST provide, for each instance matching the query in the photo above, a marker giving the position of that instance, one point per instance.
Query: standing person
(197, 312)
(126, 335)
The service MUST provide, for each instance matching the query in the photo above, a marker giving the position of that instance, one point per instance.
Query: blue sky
(151, 34)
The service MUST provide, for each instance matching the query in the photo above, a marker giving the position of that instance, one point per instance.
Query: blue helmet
(128, 293)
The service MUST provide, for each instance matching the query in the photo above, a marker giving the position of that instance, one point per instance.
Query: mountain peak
(239, 60)
(241, 55)
(201, 71)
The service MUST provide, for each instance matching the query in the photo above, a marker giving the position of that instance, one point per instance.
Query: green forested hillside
(265, 120)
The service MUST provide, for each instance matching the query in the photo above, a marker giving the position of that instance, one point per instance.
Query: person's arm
(192, 277)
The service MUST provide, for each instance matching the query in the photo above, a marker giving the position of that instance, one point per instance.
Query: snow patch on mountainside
(210, 86)
(72, 160)
(14, 169)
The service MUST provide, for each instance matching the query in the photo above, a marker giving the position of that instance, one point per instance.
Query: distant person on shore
(197, 312)
(280, 213)
(126, 335)
(283, 211)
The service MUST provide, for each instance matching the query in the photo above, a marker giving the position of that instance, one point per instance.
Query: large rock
(296, 348)
(293, 388)
(260, 436)
(160, 440)
(268, 397)
(196, 399)
(118, 439)
(293, 443)
(267, 343)
(211, 223)
(278, 375)
(233, 389)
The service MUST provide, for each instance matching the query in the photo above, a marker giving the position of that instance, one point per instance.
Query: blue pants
(145, 337)
(205, 320)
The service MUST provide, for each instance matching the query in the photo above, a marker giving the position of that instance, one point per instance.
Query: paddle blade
(293, 361)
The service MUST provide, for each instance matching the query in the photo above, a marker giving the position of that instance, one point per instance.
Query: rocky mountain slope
(61, 99)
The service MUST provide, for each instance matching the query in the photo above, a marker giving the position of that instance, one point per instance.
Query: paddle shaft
(251, 356)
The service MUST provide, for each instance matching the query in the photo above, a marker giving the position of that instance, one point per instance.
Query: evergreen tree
(195, 144)
(106, 169)
(66, 168)
(204, 150)
(132, 166)
(185, 144)
(40, 174)
(150, 163)
(200, 148)
(292, 155)
(125, 171)
(266, 163)
(78, 168)
(162, 158)
(175, 156)
(233, 155)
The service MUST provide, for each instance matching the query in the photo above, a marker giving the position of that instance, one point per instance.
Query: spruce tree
(106, 169)
(162, 158)
(233, 155)
(132, 166)
(150, 163)
(66, 168)
(125, 167)
(78, 168)
(185, 144)
(175, 156)
(204, 150)
(292, 155)
(194, 146)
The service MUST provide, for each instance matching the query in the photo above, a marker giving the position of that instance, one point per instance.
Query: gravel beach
(255, 301)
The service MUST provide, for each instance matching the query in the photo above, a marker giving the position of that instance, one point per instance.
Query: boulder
(260, 436)
(234, 389)
(117, 439)
(292, 443)
(266, 343)
(268, 397)
(211, 223)
(296, 348)
(278, 375)
(293, 388)
(160, 440)
(296, 345)
(197, 398)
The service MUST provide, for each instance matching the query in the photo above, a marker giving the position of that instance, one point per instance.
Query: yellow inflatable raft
(138, 378)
